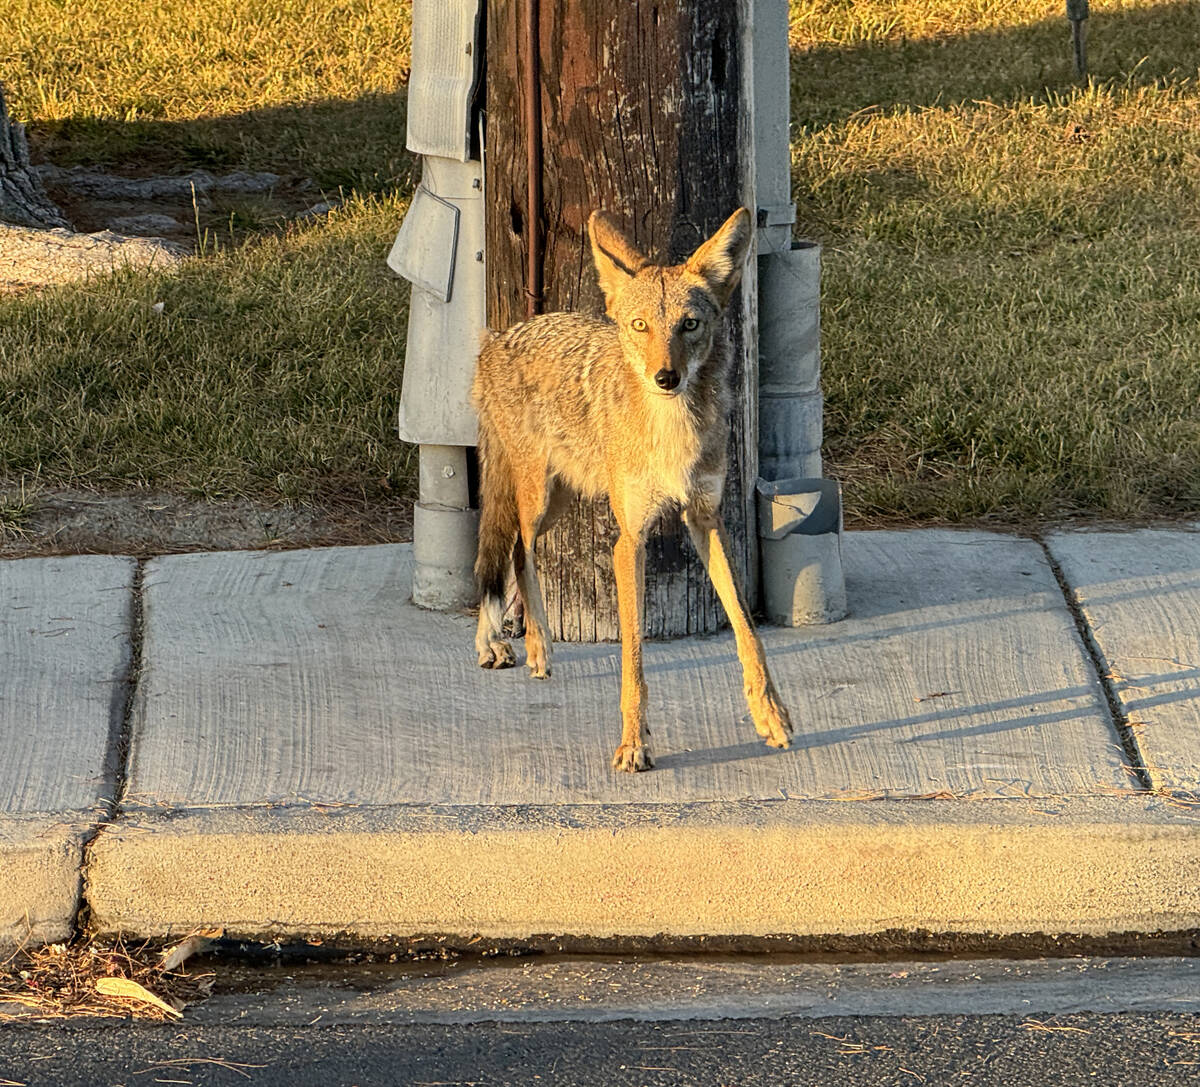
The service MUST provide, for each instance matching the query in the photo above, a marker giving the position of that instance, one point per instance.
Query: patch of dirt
(41, 258)
(124, 218)
(182, 207)
(153, 523)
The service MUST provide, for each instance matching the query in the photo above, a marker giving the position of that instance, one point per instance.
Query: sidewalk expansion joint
(120, 735)
(1136, 764)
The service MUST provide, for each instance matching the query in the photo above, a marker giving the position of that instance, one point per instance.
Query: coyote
(633, 405)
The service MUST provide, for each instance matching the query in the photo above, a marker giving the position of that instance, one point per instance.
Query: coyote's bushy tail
(498, 524)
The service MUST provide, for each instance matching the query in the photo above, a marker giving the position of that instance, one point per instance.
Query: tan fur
(572, 403)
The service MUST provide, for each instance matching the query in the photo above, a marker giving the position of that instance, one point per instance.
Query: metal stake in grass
(1077, 13)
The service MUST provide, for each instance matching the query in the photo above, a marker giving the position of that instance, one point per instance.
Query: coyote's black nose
(666, 379)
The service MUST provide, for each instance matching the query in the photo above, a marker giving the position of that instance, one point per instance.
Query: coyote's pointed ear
(616, 259)
(719, 261)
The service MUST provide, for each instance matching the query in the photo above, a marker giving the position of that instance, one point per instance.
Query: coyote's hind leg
(537, 631)
(491, 650)
(538, 503)
(537, 634)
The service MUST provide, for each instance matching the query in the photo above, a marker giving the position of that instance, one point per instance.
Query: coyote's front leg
(629, 566)
(770, 717)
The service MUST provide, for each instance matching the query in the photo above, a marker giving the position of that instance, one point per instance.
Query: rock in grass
(318, 211)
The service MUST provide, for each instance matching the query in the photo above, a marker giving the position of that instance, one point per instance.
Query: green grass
(15, 508)
(1011, 283)
(272, 371)
(1010, 288)
(1056, 383)
(294, 86)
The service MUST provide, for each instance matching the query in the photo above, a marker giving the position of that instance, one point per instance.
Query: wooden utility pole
(644, 111)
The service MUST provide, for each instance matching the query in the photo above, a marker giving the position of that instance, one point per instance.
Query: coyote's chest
(669, 452)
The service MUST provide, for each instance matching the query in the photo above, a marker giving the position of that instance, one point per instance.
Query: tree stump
(23, 201)
(645, 113)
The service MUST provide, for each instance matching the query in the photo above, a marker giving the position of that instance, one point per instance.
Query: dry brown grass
(85, 980)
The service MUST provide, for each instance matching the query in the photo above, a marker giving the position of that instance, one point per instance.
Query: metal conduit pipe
(440, 250)
(533, 158)
(799, 513)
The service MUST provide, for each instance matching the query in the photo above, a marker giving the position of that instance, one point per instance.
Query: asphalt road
(641, 1021)
(1125, 1049)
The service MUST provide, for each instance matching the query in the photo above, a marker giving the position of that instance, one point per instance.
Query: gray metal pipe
(445, 530)
(789, 362)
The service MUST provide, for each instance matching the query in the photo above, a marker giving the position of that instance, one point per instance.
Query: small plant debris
(138, 981)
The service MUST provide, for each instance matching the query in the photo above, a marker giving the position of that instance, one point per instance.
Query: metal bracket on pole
(440, 250)
(778, 215)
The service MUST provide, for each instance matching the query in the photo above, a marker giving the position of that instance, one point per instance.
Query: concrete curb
(42, 860)
(307, 755)
(1091, 867)
(66, 635)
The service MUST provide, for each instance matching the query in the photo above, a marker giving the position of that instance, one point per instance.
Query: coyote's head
(667, 317)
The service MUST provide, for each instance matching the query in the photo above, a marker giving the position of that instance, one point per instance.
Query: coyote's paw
(537, 655)
(497, 655)
(631, 758)
(771, 720)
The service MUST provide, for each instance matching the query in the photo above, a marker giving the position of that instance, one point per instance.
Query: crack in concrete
(1137, 764)
(116, 762)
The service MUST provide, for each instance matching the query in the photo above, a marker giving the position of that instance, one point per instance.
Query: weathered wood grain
(23, 201)
(644, 113)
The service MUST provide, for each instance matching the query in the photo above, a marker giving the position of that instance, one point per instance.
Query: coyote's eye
(639, 325)
(690, 324)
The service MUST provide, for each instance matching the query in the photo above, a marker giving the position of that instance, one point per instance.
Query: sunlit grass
(296, 86)
(852, 22)
(1010, 296)
(1077, 163)
(1010, 287)
(272, 370)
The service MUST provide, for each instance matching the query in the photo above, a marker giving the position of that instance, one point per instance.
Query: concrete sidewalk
(279, 744)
